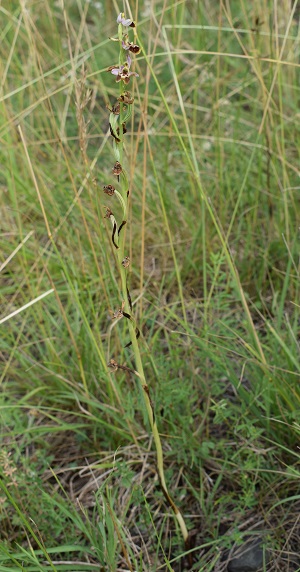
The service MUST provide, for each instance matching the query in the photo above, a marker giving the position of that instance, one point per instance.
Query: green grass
(213, 156)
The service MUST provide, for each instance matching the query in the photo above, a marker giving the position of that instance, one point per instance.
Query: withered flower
(112, 364)
(118, 313)
(117, 169)
(108, 213)
(126, 262)
(126, 97)
(115, 108)
(109, 190)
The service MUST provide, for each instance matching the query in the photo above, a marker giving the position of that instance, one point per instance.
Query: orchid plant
(119, 115)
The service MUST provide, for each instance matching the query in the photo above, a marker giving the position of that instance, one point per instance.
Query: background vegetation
(213, 153)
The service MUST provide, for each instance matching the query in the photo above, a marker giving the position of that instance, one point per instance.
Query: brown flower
(126, 97)
(108, 213)
(112, 364)
(109, 190)
(115, 108)
(118, 313)
(117, 169)
(126, 262)
(126, 45)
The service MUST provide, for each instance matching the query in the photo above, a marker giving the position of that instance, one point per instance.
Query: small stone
(250, 557)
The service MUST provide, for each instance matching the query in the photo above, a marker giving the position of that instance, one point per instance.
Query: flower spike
(119, 114)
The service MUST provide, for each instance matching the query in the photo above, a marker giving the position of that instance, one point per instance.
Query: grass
(213, 156)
